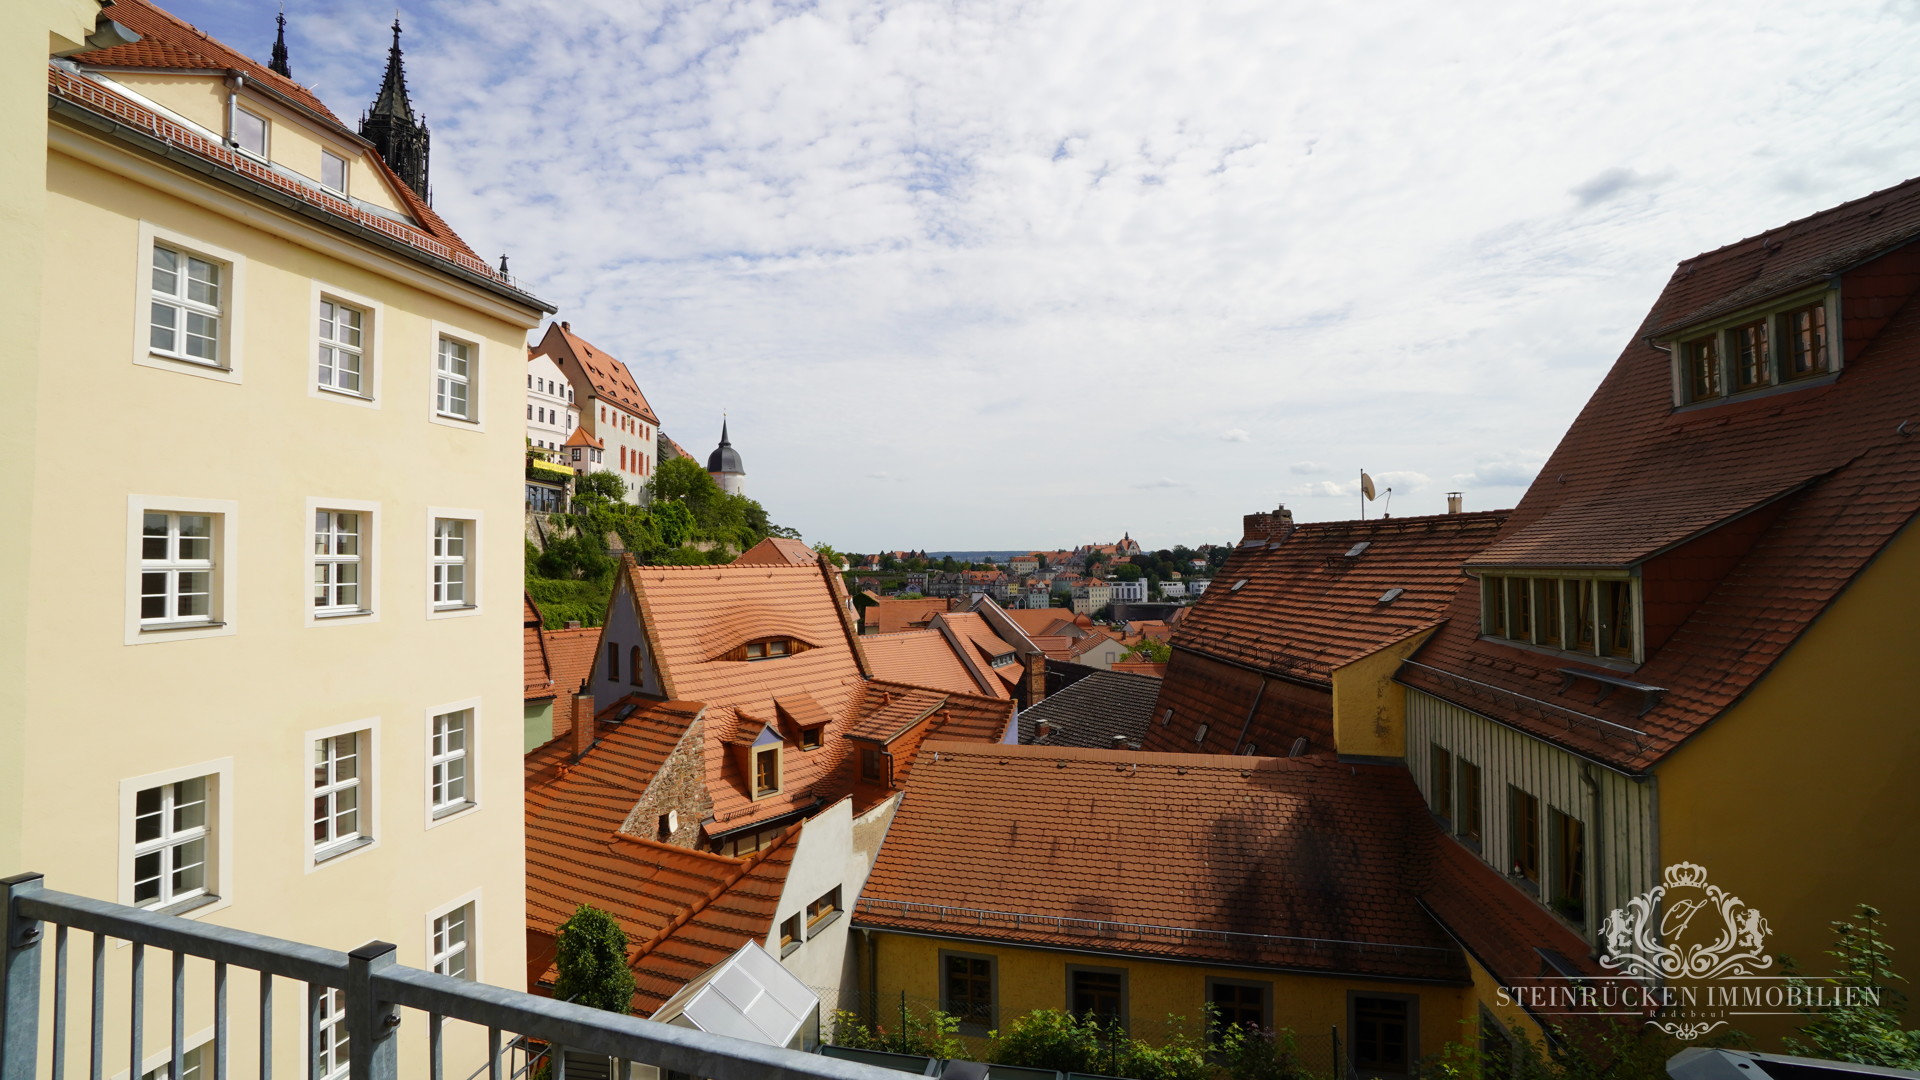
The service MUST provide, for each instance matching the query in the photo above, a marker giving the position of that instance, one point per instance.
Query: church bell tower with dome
(725, 467)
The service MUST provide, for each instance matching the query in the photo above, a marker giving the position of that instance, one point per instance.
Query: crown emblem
(1686, 876)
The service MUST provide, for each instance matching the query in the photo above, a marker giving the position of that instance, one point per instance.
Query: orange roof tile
(778, 551)
(920, 657)
(607, 377)
(1076, 849)
(891, 614)
(538, 673)
(582, 437)
(1634, 475)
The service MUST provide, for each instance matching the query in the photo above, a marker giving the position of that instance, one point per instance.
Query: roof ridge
(1828, 211)
(687, 914)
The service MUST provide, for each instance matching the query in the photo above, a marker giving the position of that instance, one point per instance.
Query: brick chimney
(573, 624)
(584, 725)
(1269, 526)
(1119, 742)
(1042, 729)
(1036, 679)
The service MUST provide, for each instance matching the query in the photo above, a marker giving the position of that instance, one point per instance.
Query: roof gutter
(79, 114)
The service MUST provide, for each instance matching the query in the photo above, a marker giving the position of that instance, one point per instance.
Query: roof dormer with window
(1789, 343)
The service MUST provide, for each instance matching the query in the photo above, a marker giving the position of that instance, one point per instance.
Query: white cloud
(1516, 470)
(1162, 483)
(1307, 468)
(1052, 243)
(1235, 435)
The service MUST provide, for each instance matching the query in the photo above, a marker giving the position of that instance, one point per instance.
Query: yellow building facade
(266, 646)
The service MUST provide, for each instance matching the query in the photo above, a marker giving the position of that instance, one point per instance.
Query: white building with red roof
(608, 406)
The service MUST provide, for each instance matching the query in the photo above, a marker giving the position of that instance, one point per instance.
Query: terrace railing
(377, 991)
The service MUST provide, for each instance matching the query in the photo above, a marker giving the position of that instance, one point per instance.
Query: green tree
(1865, 1028)
(1150, 650)
(593, 962)
(609, 485)
(681, 480)
(1128, 571)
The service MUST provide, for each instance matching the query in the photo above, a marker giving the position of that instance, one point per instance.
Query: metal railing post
(19, 981)
(372, 1050)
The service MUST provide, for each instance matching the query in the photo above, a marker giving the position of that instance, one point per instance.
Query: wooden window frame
(970, 1022)
(1440, 781)
(1266, 997)
(1074, 971)
(1570, 878)
(1411, 1002)
(1469, 822)
(1523, 844)
(779, 770)
(1718, 362)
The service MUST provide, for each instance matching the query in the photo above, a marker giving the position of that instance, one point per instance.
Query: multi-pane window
(250, 132)
(1241, 1004)
(330, 1043)
(333, 172)
(337, 560)
(966, 989)
(1569, 893)
(766, 771)
(1380, 1042)
(447, 761)
(790, 931)
(1097, 992)
(342, 347)
(176, 569)
(450, 933)
(822, 908)
(873, 765)
(171, 843)
(767, 650)
(450, 541)
(184, 306)
(1805, 345)
(1524, 823)
(336, 793)
(1757, 353)
(1440, 782)
(613, 661)
(1466, 820)
(452, 381)
(1598, 616)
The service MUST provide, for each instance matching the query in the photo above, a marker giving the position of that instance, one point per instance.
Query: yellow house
(1688, 664)
(1287, 892)
(262, 650)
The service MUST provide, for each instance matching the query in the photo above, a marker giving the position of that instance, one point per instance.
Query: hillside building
(608, 405)
(725, 467)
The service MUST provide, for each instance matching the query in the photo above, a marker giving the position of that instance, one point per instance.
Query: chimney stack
(1269, 526)
(1036, 678)
(583, 724)
(573, 624)
(1454, 501)
(1042, 729)
(1119, 742)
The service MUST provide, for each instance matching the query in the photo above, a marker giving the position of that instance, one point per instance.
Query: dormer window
(810, 737)
(1756, 351)
(1588, 615)
(250, 132)
(766, 770)
(767, 650)
(333, 172)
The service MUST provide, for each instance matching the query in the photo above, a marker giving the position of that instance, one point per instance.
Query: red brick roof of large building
(892, 614)
(168, 43)
(606, 375)
(1745, 519)
(1298, 864)
(922, 658)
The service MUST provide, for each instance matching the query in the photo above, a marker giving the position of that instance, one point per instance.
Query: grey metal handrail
(376, 988)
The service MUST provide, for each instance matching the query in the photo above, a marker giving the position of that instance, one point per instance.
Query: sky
(1034, 273)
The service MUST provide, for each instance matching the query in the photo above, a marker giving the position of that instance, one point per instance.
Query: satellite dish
(1366, 485)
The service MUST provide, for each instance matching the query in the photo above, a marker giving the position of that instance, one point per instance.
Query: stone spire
(279, 61)
(392, 128)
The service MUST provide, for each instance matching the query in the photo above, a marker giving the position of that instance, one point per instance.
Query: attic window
(810, 737)
(1237, 585)
(770, 649)
(1200, 734)
(1757, 351)
(1391, 595)
(250, 132)
(333, 172)
(1359, 549)
(766, 770)
(1591, 616)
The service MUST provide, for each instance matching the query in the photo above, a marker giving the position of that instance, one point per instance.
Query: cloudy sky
(1014, 273)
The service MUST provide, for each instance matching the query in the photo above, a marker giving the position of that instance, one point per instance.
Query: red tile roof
(537, 671)
(1039, 620)
(582, 437)
(1296, 864)
(570, 657)
(168, 43)
(608, 377)
(1742, 593)
(1309, 607)
(920, 657)
(892, 615)
(778, 551)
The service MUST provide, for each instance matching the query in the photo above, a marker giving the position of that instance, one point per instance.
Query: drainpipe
(1599, 850)
(234, 82)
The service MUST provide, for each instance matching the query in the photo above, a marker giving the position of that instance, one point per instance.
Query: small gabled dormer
(759, 750)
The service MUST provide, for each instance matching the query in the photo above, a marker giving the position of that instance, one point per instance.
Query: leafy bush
(929, 1035)
(592, 958)
(1049, 1039)
(1257, 1053)
(1861, 1032)
(563, 600)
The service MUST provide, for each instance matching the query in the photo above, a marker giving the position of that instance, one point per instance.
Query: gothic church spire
(392, 128)
(279, 61)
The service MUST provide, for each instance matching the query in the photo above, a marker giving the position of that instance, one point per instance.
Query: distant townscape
(1373, 798)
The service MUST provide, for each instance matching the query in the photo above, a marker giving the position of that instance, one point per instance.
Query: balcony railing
(376, 988)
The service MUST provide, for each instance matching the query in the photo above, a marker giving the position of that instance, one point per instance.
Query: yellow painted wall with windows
(1369, 708)
(1800, 798)
(96, 710)
(1027, 979)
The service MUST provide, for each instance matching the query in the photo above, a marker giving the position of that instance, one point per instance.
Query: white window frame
(371, 834)
(373, 325)
(226, 532)
(265, 153)
(436, 816)
(475, 521)
(470, 901)
(476, 368)
(232, 307)
(219, 888)
(346, 172)
(336, 1051)
(369, 610)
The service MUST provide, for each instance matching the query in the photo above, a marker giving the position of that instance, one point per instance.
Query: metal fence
(376, 992)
